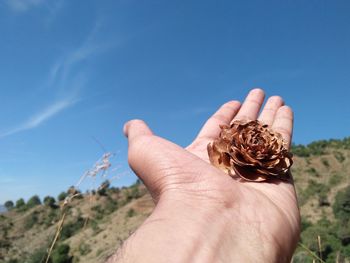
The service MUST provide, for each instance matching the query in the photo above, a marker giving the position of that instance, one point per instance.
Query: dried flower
(252, 151)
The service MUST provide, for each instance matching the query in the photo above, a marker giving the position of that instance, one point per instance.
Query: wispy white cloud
(65, 66)
(67, 77)
(52, 8)
(23, 5)
(41, 117)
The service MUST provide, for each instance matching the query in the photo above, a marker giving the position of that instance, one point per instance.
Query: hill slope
(96, 225)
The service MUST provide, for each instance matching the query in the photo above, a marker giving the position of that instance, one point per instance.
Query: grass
(311, 253)
(101, 168)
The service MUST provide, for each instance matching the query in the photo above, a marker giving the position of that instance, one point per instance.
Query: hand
(202, 214)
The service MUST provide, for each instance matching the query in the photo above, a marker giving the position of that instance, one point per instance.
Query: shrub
(326, 231)
(51, 218)
(305, 223)
(33, 201)
(318, 147)
(325, 162)
(302, 257)
(94, 225)
(37, 256)
(12, 260)
(323, 200)
(335, 179)
(61, 254)
(110, 206)
(31, 220)
(50, 201)
(114, 190)
(84, 249)
(131, 212)
(312, 171)
(69, 229)
(74, 191)
(344, 233)
(9, 205)
(98, 211)
(300, 150)
(102, 190)
(135, 192)
(20, 203)
(339, 156)
(62, 196)
(341, 206)
(314, 188)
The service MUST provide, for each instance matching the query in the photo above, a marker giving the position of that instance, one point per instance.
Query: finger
(251, 106)
(136, 128)
(283, 123)
(223, 115)
(270, 109)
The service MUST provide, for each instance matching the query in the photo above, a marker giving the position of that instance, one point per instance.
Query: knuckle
(286, 110)
(276, 99)
(283, 131)
(231, 104)
(243, 117)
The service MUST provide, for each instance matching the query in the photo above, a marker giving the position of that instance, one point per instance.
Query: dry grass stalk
(319, 246)
(100, 168)
(59, 229)
(311, 253)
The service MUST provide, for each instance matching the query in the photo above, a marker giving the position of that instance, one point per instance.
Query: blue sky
(72, 71)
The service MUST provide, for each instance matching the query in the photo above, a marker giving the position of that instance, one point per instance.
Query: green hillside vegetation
(322, 177)
(97, 223)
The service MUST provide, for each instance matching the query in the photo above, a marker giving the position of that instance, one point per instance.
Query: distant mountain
(2, 209)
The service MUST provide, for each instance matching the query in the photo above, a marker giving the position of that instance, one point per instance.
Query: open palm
(263, 217)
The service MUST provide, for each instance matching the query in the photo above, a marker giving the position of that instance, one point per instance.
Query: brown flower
(252, 151)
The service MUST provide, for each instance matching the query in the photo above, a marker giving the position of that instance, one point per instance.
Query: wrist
(186, 233)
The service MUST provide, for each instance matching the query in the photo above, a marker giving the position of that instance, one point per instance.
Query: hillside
(95, 225)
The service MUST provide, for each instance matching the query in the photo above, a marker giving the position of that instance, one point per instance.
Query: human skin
(202, 214)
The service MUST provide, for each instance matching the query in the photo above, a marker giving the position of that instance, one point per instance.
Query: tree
(102, 190)
(33, 201)
(37, 256)
(20, 203)
(9, 205)
(62, 196)
(49, 201)
(61, 254)
(341, 207)
(69, 229)
(72, 191)
(131, 212)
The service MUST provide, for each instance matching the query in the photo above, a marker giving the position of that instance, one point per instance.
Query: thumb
(159, 163)
(136, 128)
(149, 156)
